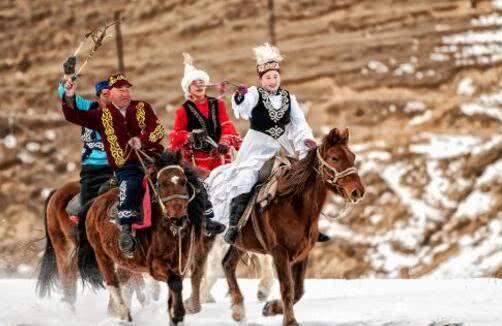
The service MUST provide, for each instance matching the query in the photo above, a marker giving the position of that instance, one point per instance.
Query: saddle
(267, 188)
(74, 207)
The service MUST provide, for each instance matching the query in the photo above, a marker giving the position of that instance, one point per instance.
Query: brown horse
(288, 228)
(164, 249)
(59, 262)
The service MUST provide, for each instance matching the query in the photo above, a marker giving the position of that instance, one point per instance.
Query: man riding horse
(126, 126)
(277, 122)
(95, 170)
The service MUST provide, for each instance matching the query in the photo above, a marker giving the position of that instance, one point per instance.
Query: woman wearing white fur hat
(276, 122)
(202, 129)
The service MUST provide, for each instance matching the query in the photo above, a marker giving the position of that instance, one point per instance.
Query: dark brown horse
(288, 228)
(175, 230)
(59, 263)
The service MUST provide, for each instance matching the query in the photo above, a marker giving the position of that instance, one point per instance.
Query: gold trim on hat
(271, 65)
(114, 79)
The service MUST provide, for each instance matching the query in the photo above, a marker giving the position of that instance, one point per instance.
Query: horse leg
(126, 279)
(152, 288)
(192, 304)
(139, 287)
(214, 270)
(266, 273)
(299, 270)
(176, 309)
(229, 266)
(284, 274)
(67, 269)
(107, 268)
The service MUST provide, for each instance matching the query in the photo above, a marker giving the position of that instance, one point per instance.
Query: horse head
(336, 166)
(173, 189)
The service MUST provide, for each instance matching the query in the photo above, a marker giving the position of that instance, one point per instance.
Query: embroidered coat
(140, 121)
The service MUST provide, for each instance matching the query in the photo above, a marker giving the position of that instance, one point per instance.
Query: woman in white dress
(276, 122)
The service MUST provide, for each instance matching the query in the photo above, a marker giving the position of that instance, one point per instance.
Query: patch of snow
(378, 67)
(405, 68)
(492, 174)
(475, 204)
(475, 108)
(497, 4)
(445, 146)
(414, 106)
(10, 141)
(465, 87)
(493, 19)
(439, 57)
(421, 118)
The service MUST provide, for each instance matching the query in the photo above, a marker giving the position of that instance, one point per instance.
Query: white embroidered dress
(236, 178)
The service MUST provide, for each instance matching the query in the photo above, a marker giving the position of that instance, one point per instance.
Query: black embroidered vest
(197, 121)
(269, 120)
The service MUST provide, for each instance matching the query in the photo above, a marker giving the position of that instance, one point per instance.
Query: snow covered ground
(365, 302)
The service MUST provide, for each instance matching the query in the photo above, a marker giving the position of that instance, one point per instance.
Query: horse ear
(333, 136)
(345, 136)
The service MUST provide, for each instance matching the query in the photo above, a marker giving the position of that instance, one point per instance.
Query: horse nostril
(357, 194)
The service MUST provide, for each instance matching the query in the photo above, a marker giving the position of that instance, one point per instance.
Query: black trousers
(91, 179)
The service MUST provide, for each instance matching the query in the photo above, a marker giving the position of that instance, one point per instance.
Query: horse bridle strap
(183, 197)
(336, 175)
(170, 167)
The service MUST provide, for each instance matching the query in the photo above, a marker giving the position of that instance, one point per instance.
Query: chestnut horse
(288, 228)
(59, 263)
(164, 249)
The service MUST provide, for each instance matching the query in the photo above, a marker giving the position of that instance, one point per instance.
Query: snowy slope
(468, 302)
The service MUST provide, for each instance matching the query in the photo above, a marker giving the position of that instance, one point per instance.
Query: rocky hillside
(417, 82)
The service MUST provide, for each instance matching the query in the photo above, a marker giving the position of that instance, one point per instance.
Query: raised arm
(244, 101)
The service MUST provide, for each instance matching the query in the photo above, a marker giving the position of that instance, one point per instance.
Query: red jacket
(140, 121)
(178, 138)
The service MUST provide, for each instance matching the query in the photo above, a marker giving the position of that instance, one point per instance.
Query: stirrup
(127, 244)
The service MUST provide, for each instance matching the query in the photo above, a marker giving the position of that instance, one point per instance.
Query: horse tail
(86, 257)
(48, 276)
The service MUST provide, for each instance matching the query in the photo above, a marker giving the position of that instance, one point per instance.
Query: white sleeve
(244, 109)
(298, 129)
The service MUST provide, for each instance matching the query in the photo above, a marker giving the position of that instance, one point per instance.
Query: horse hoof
(262, 296)
(272, 308)
(291, 323)
(238, 312)
(190, 307)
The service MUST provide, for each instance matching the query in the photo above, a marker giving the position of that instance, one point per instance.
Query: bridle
(175, 196)
(332, 174)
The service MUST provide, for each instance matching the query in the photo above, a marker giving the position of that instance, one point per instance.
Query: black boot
(126, 241)
(237, 207)
(212, 227)
(321, 237)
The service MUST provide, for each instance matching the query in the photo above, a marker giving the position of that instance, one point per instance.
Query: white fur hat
(191, 74)
(267, 58)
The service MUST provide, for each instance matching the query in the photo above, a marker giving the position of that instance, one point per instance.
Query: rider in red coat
(202, 129)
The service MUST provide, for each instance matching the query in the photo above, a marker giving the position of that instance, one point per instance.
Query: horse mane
(303, 172)
(197, 206)
(298, 177)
